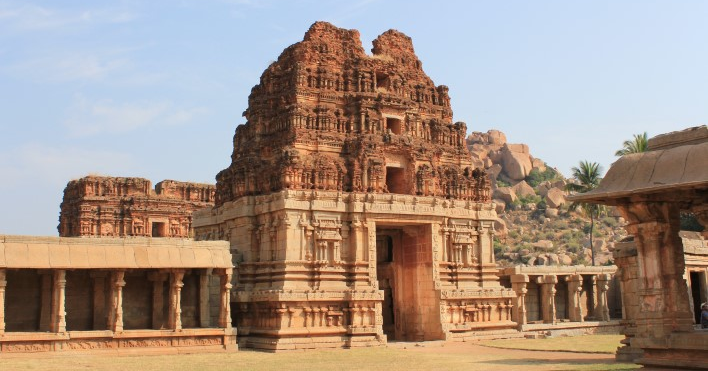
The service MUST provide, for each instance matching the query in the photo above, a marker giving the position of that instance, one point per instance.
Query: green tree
(639, 143)
(588, 176)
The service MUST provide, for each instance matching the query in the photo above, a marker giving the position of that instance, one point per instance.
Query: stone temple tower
(351, 206)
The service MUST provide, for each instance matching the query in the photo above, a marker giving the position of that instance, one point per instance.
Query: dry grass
(450, 356)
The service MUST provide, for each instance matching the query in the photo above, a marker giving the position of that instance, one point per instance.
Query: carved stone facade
(327, 116)
(98, 206)
(351, 204)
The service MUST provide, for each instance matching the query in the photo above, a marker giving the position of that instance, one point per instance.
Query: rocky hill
(537, 226)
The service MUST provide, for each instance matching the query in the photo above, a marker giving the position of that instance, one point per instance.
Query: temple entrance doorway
(410, 307)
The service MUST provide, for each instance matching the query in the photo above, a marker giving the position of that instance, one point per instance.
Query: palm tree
(588, 176)
(638, 144)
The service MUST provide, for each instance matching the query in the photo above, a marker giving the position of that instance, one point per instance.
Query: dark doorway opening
(695, 278)
(159, 229)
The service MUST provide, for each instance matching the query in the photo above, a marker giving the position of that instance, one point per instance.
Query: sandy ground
(397, 356)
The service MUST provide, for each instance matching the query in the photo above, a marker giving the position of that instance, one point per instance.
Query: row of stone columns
(547, 283)
(57, 318)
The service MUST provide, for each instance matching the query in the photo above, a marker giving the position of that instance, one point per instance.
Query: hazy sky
(156, 89)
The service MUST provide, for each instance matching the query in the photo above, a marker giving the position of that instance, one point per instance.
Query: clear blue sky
(156, 88)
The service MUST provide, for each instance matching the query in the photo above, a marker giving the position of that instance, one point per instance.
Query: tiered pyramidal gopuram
(352, 209)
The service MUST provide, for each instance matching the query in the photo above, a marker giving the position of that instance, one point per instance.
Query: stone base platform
(573, 328)
(687, 351)
(306, 343)
(487, 335)
(126, 342)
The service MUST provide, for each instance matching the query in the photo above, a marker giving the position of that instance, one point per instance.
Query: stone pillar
(519, 285)
(176, 284)
(204, 276)
(3, 284)
(99, 300)
(602, 311)
(625, 255)
(115, 315)
(158, 302)
(548, 297)
(663, 299)
(225, 295)
(575, 287)
(58, 317)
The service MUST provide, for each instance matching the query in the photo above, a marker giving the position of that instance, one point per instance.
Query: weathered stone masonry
(101, 206)
(352, 206)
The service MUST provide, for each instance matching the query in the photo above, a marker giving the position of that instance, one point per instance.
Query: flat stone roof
(560, 270)
(111, 253)
(677, 162)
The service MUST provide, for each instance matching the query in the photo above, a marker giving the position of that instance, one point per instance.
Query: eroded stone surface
(327, 116)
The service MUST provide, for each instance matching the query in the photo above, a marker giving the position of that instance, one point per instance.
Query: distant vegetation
(536, 177)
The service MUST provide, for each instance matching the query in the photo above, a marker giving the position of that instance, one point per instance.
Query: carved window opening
(394, 125)
(382, 82)
(396, 180)
(159, 229)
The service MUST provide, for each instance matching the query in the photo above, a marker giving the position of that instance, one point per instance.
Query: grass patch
(588, 344)
(407, 357)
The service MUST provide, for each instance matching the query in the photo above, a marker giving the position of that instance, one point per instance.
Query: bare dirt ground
(396, 356)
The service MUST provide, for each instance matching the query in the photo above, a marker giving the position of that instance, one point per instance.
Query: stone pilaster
(519, 284)
(115, 316)
(225, 295)
(548, 297)
(3, 284)
(602, 311)
(575, 288)
(58, 321)
(176, 284)
(625, 255)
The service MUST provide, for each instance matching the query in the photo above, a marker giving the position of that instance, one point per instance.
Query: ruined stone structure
(564, 300)
(351, 204)
(650, 189)
(99, 206)
(114, 294)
